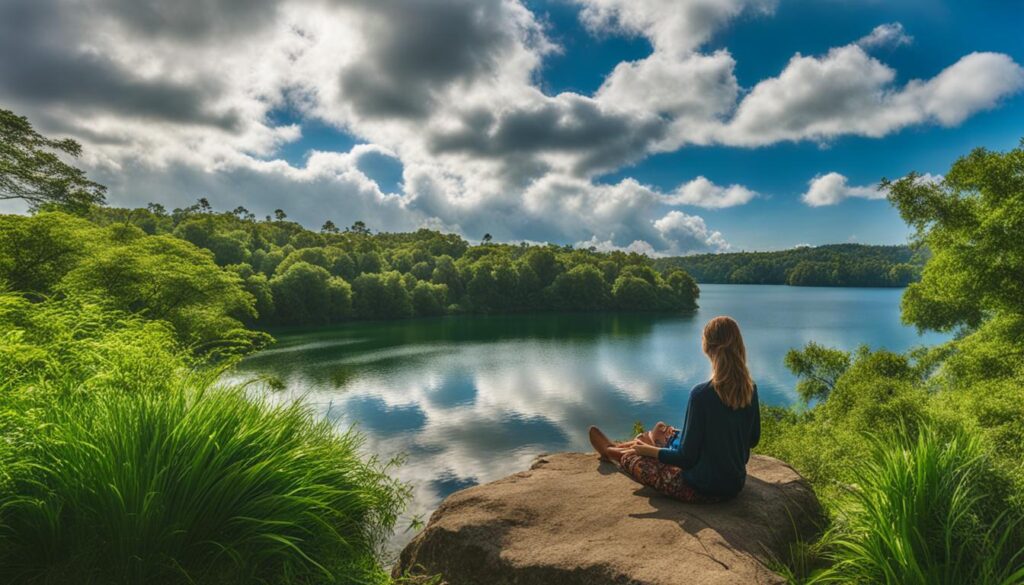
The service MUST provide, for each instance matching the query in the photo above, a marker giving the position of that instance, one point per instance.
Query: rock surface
(573, 520)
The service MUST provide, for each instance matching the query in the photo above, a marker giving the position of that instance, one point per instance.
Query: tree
(634, 293)
(972, 223)
(280, 215)
(544, 264)
(428, 299)
(37, 252)
(305, 294)
(684, 287)
(329, 227)
(359, 228)
(487, 238)
(582, 288)
(381, 296)
(31, 170)
(818, 368)
(164, 278)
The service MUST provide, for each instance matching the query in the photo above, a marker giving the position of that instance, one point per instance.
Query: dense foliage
(940, 496)
(31, 170)
(300, 277)
(831, 265)
(160, 277)
(121, 461)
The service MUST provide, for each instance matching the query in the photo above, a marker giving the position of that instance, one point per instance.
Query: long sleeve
(755, 429)
(688, 453)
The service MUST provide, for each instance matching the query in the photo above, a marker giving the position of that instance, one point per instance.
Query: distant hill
(830, 265)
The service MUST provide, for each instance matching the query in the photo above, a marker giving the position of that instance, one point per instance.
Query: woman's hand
(644, 450)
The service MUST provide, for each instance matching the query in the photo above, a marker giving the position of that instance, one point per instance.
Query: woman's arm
(755, 431)
(688, 453)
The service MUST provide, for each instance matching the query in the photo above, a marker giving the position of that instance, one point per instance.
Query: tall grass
(122, 462)
(202, 486)
(921, 513)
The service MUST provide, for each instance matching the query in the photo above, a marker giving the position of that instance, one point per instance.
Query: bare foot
(600, 442)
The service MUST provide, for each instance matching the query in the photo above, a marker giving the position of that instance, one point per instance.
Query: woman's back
(720, 438)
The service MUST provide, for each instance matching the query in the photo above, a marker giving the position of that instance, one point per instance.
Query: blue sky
(663, 126)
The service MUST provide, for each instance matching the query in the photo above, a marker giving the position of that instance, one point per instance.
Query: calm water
(471, 399)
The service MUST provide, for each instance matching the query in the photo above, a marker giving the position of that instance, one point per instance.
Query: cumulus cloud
(886, 35)
(832, 188)
(703, 193)
(847, 92)
(676, 26)
(688, 234)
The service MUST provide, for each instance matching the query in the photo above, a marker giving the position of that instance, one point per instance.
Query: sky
(659, 126)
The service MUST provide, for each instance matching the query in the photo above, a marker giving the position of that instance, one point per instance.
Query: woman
(722, 424)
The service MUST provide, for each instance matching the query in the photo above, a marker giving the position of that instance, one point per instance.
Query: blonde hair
(723, 345)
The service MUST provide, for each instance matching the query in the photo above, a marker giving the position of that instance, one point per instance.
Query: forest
(296, 276)
(829, 265)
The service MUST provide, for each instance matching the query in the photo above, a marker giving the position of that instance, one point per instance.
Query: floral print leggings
(667, 479)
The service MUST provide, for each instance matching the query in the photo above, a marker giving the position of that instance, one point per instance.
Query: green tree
(582, 288)
(305, 294)
(818, 368)
(634, 293)
(164, 278)
(684, 288)
(381, 296)
(971, 222)
(429, 299)
(31, 170)
(544, 264)
(36, 252)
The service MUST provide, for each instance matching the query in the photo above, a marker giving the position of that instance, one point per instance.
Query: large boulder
(573, 520)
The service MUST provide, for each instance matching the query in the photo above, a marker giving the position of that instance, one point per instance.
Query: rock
(572, 520)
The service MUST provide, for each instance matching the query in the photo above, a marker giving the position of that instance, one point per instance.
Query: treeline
(831, 265)
(300, 277)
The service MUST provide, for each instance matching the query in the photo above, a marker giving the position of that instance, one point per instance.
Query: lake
(470, 399)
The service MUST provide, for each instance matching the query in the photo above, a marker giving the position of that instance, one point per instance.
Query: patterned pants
(667, 479)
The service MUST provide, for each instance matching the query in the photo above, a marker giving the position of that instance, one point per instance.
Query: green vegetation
(300, 277)
(918, 456)
(30, 170)
(122, 460)
(831, 265)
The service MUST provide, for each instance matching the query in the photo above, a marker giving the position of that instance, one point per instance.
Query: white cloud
(832, 188)
(886, 35)
(689, 234)
(703, 193)
(849, 92)
(637, 246)
(675, 26)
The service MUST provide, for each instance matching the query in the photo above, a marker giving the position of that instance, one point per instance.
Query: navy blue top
(716, 442)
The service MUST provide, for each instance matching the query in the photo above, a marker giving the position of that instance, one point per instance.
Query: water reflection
(471, 399)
